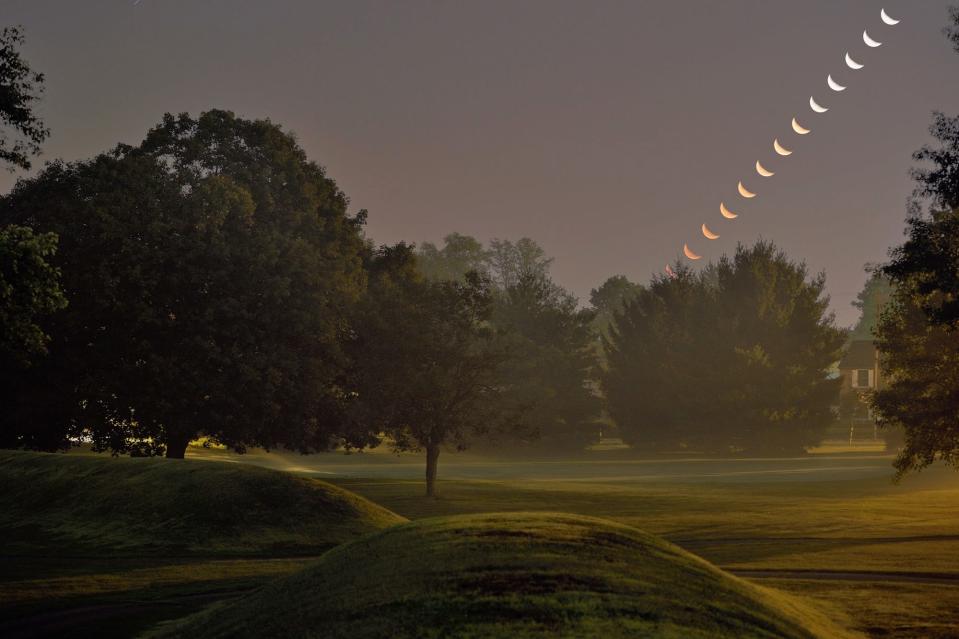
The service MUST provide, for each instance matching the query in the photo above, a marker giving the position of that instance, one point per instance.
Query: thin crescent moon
(835, 86)
(709, 234)
(746, 193)
(763, 171)
(690, 254)
(798, 128)
(780, 149)
(669, 271)
(852, 64)
(890, 21)
(869, 41)
(729, 215)
(816, 107)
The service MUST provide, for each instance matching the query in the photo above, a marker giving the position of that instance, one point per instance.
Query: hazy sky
(607, 131)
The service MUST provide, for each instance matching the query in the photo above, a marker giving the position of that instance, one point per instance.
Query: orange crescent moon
(746, 193)
(780, 149)
(798, 128)
(690, 254)
(729, 215)
(709, 234)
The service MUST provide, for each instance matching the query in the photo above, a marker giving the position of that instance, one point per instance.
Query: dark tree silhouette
(733, 359)
(20, 88)
(919, 332)
(209, 273)
(427, 360)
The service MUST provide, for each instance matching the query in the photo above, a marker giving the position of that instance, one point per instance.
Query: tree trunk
(432, 455)
(176, 446)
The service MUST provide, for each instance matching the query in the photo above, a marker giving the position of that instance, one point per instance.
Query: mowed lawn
(861, 540)
(826, 514)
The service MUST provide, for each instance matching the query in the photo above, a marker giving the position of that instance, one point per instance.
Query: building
(861, 374)
(859, 367)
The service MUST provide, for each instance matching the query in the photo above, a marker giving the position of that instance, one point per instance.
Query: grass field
(830, 513)
(514, 575)
(131, 541)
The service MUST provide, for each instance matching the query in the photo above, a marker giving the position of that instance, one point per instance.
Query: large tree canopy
(733, 359)
(20, 88)
(208, 272)
(919, 332)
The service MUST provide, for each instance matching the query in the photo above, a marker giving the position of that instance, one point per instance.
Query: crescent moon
(690, 254)
(729, 215)
(798, 128)
(780, 149)
(709, 234)
(815, 106)
(835, 86)
(669, 271)
(746, 193)
(852, 64)
(869, 41)
(890, 21)
(763, 171)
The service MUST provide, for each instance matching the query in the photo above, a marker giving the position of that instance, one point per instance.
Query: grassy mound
(509, 575)
(73, 504)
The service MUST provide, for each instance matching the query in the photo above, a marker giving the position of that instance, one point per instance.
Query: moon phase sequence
(798, 129)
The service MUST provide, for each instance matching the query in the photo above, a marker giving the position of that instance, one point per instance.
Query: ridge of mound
(74, 504)
(517, 575)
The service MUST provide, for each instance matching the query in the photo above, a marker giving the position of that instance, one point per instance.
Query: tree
(29, 292)
(609, 299)
(918, 335)
(209, 272)
(553, 364)
(20, 88)
(871, 301)
(426, 360)
(733, 359)
(510, 262)
(461, 254)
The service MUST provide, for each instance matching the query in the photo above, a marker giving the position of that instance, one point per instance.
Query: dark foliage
(20, 88)
(426, 360)
(208, 272)
(552, 365)
(733, 359)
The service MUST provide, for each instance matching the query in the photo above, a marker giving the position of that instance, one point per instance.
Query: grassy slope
(509, 575)
(72, 505)
(838, 525)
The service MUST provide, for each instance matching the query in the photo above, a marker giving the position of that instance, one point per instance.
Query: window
(863, 378)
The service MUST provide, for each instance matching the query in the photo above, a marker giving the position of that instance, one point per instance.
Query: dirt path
(846, 575)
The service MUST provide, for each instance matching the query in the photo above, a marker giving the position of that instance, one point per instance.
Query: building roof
(860, 354)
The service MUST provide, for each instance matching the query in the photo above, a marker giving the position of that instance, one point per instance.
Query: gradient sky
(607, 131)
